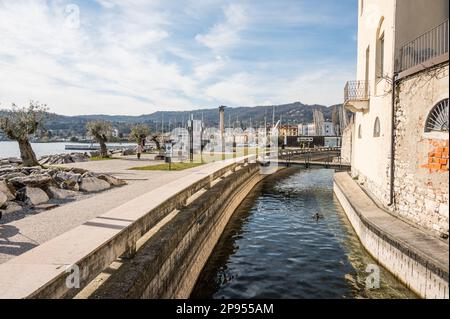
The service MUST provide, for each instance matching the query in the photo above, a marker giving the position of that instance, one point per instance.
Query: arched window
(437, 120)
(359, 131)
(376, 128)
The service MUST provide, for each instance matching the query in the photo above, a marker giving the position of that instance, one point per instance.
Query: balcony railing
(429, 45)
(356, 91)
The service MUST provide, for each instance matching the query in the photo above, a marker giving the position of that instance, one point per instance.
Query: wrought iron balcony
(428, 47)
(356, 96)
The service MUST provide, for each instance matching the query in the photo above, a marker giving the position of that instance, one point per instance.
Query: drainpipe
(392, 171)
(394, 82)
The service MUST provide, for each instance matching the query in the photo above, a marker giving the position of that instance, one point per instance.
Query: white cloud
(112, 70)
(226, 34)
(141, 56)
(207, 70)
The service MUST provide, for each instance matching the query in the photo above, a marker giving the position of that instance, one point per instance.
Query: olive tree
(139, 133)
(19, 123)
(101, 131)
(156, 139)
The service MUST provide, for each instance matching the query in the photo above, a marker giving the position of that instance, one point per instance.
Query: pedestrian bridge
(325, 157)
(153, 246)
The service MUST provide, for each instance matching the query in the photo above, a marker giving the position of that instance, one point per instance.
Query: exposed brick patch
(438, 158)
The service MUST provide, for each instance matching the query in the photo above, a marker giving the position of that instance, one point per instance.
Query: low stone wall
(168, 265)
(93, 246)
(422, 273)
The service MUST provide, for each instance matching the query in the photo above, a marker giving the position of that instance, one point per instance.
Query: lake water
(11, 149)
(273, 248)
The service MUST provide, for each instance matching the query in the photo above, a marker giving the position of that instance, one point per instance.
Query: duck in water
(317, 216)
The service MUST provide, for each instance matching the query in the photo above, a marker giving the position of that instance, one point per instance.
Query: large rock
(12, 207)
(68, 180)
(3, 199)
(31, 170)
(111, 180)
(63, 158)
(8, 170)
(57, 193)
(13, 175)
(35, 196)
(8, 189)
(93, 184)
(128, 151)
(78, 170)
(41, 180)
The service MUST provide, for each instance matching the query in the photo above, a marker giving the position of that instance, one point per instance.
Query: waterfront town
(345, 199)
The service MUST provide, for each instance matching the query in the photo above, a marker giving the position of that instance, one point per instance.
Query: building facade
(399, 133)
(288, 130)
(311, 129)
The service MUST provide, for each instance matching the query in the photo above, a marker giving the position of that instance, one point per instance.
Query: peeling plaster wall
(421, 159)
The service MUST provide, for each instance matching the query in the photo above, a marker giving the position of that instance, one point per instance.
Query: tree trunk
(27, 153)
(103, 149)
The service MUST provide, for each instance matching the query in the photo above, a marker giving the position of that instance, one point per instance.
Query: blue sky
(141, 56)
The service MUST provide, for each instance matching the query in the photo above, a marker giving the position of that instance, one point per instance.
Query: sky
(142, 56)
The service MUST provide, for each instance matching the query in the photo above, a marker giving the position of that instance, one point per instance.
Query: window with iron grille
(437, 120)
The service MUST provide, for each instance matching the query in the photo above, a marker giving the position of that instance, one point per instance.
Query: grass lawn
(165, 167)
(99, 158)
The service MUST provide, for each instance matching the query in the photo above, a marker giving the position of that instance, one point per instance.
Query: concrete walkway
(430, 251)
(120, 167)
(19, 236)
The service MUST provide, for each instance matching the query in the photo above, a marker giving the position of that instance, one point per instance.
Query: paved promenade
(120, 168)
(22, 235)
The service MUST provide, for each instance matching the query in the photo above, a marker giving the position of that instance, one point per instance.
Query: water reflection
(274, 248)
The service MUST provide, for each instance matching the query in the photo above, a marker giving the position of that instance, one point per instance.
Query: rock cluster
(64, 158)
(28, 187)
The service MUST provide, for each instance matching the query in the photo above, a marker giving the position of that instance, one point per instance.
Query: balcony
(356, 96)
(425, 51)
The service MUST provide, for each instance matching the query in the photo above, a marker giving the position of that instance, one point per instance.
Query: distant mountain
(234, 116)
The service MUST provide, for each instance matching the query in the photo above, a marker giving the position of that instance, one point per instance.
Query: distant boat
(82, 147)
(95, 147)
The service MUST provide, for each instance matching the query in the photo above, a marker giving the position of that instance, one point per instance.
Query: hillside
(290, 113)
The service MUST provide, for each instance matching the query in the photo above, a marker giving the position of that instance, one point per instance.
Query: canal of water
(273, 247)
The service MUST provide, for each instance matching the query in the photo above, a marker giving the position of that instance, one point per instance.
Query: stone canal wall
(417, 259)
(169, 263)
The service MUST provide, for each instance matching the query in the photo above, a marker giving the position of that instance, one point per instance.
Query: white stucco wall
(371, 155)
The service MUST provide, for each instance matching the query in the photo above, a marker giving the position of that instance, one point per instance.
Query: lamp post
(222, 128)
(191, 138)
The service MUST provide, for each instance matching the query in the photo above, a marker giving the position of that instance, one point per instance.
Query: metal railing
(356, 91)
(427, 46)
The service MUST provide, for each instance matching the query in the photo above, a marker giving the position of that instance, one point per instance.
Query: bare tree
(19, 123)
(101, 131)
(156, 139)
(139, 133)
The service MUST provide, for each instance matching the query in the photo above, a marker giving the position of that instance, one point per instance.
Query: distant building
(115, 133)
(328, 129)
(307, 129)
(311, 129)
(288, 130)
